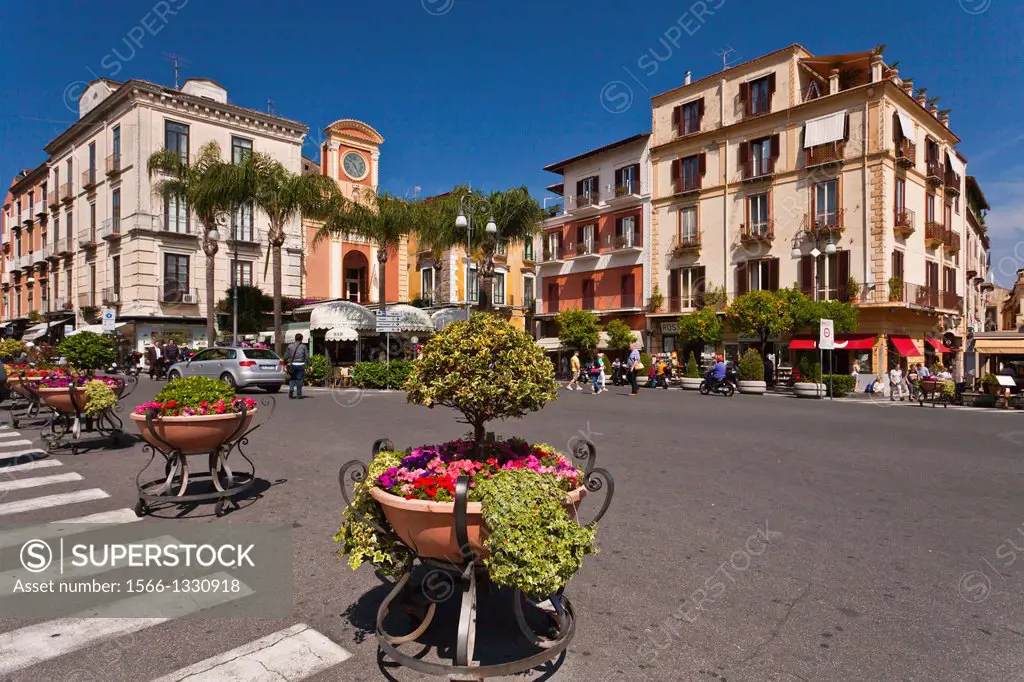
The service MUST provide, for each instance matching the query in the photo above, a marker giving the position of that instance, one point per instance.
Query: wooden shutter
(773, 274)
(843, 273)
(897, 264)
(618, 177)
(636, 228)
(771, 85)
(776, 147)
(636, 177)
(579, 188)
(744, 156)
(741, 279)
(677, 119)
(807, 275)
(745, 97)
(702, 166)
(700, 113)
(676, 172)
(673, 285)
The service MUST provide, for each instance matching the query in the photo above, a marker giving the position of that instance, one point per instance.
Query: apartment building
(24, 278)
(823, 172)
(594, 252)
(109, 241)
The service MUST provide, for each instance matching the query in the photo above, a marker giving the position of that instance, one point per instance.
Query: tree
(620, 336)
(252, 304)
(807, 314)
(763, 314)
(486, 369)
(382, 218)
(578, 329)
(702, 326)
(200, 186)
(88, 351)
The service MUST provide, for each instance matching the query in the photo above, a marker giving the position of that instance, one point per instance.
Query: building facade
(109, 241)
(824, 173)
(594, 251)
(26, 249)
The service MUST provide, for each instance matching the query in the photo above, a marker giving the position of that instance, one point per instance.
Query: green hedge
(842, 384)
(318, 370)
(380, 374)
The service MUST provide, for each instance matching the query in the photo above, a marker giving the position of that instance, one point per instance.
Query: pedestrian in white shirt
(896, 386)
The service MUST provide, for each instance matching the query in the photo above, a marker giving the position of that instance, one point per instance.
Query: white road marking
(31, 466)
(291, 654)
(9, 434)
(52, 501)
(35, 482)
(58, 529)
(21, 453)
(45, 641)
(14, 443)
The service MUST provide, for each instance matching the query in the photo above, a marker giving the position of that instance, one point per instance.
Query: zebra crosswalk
(32, 484)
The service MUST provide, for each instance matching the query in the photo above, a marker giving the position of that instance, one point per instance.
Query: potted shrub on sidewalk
(752, 373)
(691, 379)
(810, 385)
(194, 414)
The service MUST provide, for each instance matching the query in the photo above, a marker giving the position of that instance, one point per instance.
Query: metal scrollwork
(585, 451)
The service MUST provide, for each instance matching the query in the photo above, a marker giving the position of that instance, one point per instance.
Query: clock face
(354, 165)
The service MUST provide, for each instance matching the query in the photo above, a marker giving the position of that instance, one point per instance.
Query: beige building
(112, 243)
(826, 173)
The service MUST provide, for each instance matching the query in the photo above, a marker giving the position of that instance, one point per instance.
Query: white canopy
(638, 339)
(413, 319)
(341, 334)
(342, 314)
(35, 331)
(906, 125)
(94, 328)
(446, 316)
(550, 343)
(825, 129)
(954, 163)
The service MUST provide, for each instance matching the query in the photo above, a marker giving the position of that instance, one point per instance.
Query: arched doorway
(356, 270)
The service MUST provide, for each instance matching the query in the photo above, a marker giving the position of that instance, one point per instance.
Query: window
(92, 222)
(691, 288)
(28, 294)
(115, 210)
(589, 185)
(241, 224)
(528, 249)
(949, 280)
(427, 285)
(758, 207)
(473, 284)
(115, 273)
(585, 239)
(688, 224)
(897, 265)
(690, 173)
(69, 230)
(176, 139)
(627, 180)
(760, 274)
(757, 274)
(692, 113)
(56, 182)
(948, 216)
(901, 195)
(70, 170)
(929, 208)
(176, 216)
(587, 191)
(92, 159)
(56, 231)
(826, 287)
(175, 277)
(240, 149)
(115, 145)
(529, 290)
(761, 157)
(826, 206)
(44, 192)
(553, 296)
(626, 233)
(498, 288)
(68, 287)
(92, 284)
(554, 245)
(241, 273)
(588, 294)
(759, 95)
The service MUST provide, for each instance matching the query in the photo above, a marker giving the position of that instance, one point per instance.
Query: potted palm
(691, 379)
(752, 373)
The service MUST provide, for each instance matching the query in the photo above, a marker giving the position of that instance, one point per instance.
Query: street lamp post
(465, 219)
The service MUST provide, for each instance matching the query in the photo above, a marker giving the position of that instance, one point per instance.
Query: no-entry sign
(827, 335)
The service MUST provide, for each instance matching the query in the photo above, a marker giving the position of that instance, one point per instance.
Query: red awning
(905, 346)
(803, 343)
(938, 345)
(858, 341)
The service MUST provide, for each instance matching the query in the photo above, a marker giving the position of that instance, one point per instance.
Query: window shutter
(744, 155)
(895, 127)
(700, 108)
(636, 228)
(677, 119)
(745, 96)
(771, 84)
(618, 177)
(846, 128)
(741, 279)
(636, 177)
(700, 282)
(843, 271)
(773, 274)
(676, 168)
(897, 264)
(776, 147)
(807, 275)
(673, 284)
(702, 163)
(579, 188)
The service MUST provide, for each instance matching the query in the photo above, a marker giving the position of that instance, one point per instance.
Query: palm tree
(265, 183)
(382, 218)
(200, 187)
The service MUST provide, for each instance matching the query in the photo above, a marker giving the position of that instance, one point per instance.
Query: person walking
(171, 353)
(633, 365)
(156, 361)
(596, 372)
(295, 358)
(604, 372)
(574, 372)
(896, 386)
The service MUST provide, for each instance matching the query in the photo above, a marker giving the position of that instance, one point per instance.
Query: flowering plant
(54, 380)
(172, 408)
(29, 372)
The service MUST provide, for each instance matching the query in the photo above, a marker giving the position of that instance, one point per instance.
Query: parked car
(239, 367)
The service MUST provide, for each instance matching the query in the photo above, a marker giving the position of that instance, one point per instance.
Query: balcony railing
(758, 232)
(628, 189)
(586, 249)
(765, 168)
(934, 234)
(909, 295)
(904, 222)
(61, 247)
(554, 255)
(551, 306)
(935, 172)
(67, 191)
(243, 235)
(620, 301)
(110, 228)
(906, 153)
(41, 255)
(87, 239)
(111, 296)
(88, 178)
(588, 200)
(819, 155)
(627, 241)
(952, 182)
(825, 222)
(41, 208)
(685, 243)
(113, 164)
(54, 200)
(687, 184)
(951, 242)
(180, 295)
(87, 299)
(27, 214)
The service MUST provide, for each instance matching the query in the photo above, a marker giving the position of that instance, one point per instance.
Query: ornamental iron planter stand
(66, 427)
(173, 488)
(25, 405)
(466, 578)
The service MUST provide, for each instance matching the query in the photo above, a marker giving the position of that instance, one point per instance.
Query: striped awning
(906, 125)
(825, 129)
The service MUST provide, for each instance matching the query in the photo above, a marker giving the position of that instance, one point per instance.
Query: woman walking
(604, 371)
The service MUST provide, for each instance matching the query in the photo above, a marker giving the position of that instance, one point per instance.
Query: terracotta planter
(430, 526)
(752, 387)
(202, 433)
(60, 398)
(809, 390)
(691, 383)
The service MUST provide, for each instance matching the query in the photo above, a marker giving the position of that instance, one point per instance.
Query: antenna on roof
(178, 63)
(724, 54)
(270, 106)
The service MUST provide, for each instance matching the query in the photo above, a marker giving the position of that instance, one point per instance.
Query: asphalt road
(752, 538)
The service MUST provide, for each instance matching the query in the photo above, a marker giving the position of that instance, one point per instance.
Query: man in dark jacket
(171, 352)
(295, 357)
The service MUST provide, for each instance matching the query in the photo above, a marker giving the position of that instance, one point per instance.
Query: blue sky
(489, 91)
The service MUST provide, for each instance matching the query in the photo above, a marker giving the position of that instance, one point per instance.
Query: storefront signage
(669, 327)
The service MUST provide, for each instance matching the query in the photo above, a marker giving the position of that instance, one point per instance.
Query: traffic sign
(827, 335)
(388, 324)
(109, 321)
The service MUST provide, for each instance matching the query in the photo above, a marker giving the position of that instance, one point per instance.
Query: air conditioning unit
(113, 299)
(189, 299)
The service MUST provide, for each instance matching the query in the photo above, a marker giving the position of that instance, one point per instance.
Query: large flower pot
(430, 526)
(60, 398)
(199, 433)
(691, 383)
(752, 387)
(804, 389)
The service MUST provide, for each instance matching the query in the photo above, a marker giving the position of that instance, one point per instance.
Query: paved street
(749, 539)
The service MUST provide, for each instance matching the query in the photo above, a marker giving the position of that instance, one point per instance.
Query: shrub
(751, 366)
(88, 351)
(645, 359)
(810, 371)
(380, 375)
(578, 329)
(318, 370)
(841, 384)
(99, 397)
(620, 336)
(486, 369)
(11, 349)
(989, 380)
(192, 391)
(949, 390)
(692, 369)
(703, 326)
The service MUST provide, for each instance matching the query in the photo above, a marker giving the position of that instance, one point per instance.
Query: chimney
(908, 87)
(945, 119)
(921, 99)
(876, 68)
(687, 77)
(833, 81)
(934, 110)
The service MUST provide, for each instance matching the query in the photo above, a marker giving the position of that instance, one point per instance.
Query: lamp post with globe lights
(475, 205)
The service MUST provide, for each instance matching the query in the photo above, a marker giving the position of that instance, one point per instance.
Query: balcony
(951, 242)
(935, 173)
(87, 299)
(110, 296)
(61, 304)
(41, 255)
(685, 244)
(906, 153)
(552, 255)
(823, 154)
(27, 262)
(62, 247)
(761, 170)
(89, 178)
(625, 243)
(12, 264)
(681, 304)
(585, 250)
(949, 300)
(826, 223)
(587, 204)
(67, 192)
(624, 301)
(180, 296)
(934, 234)
(87, 239)
(27, 214)
(114, 164)
(54, 201)
(907, 295)
(242, 235)
(530, 303)
(110, 229)
(903, 222)
(41, 209)
(758, 233)
(687, 185)
(952, 182)
(625, 194)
